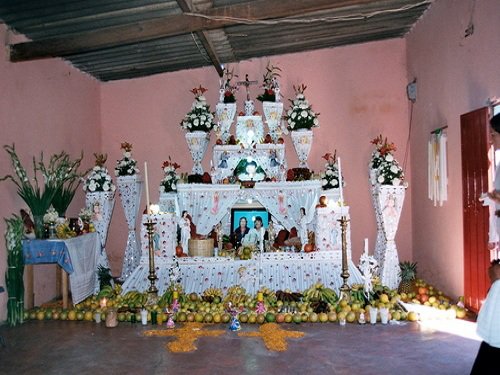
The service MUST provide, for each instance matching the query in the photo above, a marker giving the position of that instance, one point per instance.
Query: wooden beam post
(205, 41)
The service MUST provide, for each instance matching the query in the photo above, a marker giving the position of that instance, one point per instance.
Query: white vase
(197, 143)
(388, 203)
(372, 173)
(302, 141)
(225, 113)
(102, 203)
(129, 190)
(273, 112)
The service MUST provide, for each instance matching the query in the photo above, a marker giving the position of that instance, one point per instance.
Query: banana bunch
(106, 291)
(168, 297)
(212, 294)
(63, 231)
(270, 297)
(318, 292)
(134, 298)
(288, 296)
(236, 295)
(358, 293)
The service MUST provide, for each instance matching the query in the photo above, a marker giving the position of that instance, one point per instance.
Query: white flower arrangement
(330, 177)
(86, 214)
(199, 118)
(388, 170)
(301, 115)
(126, 166)
(51, 216)
(99, 178)
(169, 182)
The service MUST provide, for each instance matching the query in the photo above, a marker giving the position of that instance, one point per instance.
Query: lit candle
(176, 294)
(103, 303)
(366, 245)
(146, 181)
(340, 183)
(260, 296)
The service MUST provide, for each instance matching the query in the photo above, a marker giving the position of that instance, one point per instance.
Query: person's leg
(486, 362)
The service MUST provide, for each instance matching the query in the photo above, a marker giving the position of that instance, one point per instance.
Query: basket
(201, 248)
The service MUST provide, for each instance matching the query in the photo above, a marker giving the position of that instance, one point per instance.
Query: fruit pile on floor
(315, 304)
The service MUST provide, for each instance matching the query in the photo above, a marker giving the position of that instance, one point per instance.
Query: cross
(247, 84)
(274, 336)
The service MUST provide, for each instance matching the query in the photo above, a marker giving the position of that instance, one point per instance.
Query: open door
(476, 172)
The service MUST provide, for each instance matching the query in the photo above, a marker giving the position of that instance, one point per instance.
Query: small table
(77, 257)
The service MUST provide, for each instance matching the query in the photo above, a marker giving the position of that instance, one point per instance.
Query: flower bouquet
(127, 165)
(227, 90)
(301, 115)
(169, 181)
(330, 177)
(387, 170)
(61, 178)
(199, 118)
(99, 178)
(270, 84)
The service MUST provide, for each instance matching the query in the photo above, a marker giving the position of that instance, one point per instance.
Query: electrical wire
(407, 148)
(202, 51)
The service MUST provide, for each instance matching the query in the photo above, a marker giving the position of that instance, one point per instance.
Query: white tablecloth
(294, 271)
(85, 254)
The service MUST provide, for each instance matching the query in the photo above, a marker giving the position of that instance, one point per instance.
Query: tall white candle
(340, 183)
(146, 181)
(366, 245)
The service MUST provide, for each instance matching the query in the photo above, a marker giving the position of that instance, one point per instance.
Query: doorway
(477, 167)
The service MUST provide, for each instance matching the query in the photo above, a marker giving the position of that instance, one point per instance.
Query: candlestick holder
(344, 289)
(153, 290)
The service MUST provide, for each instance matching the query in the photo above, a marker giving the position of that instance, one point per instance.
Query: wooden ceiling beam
(205, 41)
(171, 26)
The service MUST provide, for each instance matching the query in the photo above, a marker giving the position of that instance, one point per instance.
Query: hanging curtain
(437, 169)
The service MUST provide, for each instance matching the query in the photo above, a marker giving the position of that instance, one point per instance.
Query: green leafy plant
(15, 270)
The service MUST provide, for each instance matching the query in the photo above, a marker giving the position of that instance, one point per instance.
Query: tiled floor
(90, 348)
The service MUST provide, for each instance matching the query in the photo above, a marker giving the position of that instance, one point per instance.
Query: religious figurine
(220, 235)
(273, 159)
(304, 239)
(223, 160)
(185, 225)
(368, 266)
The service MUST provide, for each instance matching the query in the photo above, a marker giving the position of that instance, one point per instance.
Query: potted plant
(60, 170)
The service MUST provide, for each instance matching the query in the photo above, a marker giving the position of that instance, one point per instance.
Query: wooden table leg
(29, 295)
(64, 282)
(58, 283)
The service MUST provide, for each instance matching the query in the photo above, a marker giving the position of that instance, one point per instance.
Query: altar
(276, 270)
(249, 169)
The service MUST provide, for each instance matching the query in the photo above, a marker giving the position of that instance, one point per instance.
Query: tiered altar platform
(210, 204)
(294, 271)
